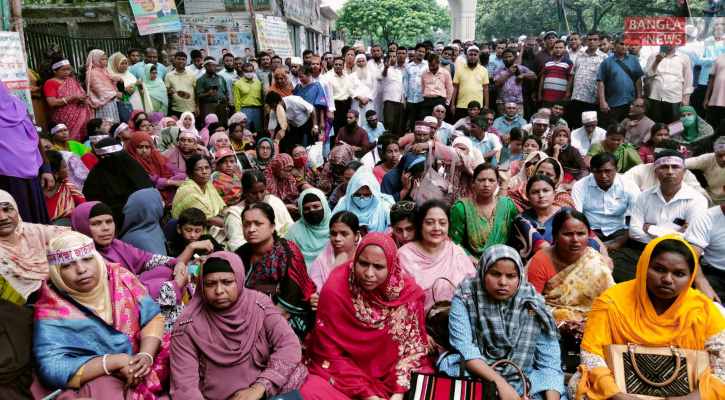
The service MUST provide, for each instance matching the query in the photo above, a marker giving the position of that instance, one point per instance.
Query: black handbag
(124, 111)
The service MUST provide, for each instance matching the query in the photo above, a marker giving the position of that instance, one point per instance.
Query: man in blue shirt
(372, 126)
(618, 82)
(151, 57)
(509, 120)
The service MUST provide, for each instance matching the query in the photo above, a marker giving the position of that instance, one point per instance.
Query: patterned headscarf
(285, 189)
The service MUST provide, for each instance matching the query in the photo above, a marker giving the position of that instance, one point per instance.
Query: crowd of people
(264, 227)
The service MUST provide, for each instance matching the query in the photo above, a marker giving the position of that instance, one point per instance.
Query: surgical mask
(300, 162)
(445, 62)
(249, 75)
(530, 49)
(510, 117)
(688, 121)
(362, 202)
(314, 217)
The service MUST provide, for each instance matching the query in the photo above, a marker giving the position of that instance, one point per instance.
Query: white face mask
(249, 75)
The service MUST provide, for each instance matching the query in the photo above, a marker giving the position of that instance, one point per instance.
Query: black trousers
(297, 135)
(614, 116)
(218, 108)
(716, 279)
(341, 109)
(414, 114)
(394, 115)
(574, 111)
(662, 111)
(429, 103)
(625, 261)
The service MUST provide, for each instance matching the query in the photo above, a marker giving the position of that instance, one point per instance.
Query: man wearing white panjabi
(362, 86)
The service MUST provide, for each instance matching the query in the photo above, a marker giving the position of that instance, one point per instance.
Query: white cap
(473, 48)
(589, 116)
(295, 61)
(431, 120)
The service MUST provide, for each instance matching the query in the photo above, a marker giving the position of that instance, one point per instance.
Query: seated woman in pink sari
(367, 300)
(96, 332)
(68, 101)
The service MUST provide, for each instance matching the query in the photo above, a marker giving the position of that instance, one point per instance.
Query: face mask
(300, 162)
(688, 121)
(445, 62)
(249, 75)
(314, 217)
(510, 117)
(362, 202)
(530, 49)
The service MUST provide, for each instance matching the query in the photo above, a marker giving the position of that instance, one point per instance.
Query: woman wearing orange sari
(659, 309)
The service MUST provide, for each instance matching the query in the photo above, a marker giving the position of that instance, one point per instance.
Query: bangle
(261, 390)
(64, 101)
(147, 355)
(105, 369)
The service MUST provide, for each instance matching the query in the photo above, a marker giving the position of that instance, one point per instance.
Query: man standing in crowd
(376, 66)
(230, 76)
(134, 56)
(265, 61)
(618, 82)
(555, 75)
(248, 98)
(581, 91)
(337, 79)
(638, 125)
(605, 44)
(469, 84)
(295, 64)
(151, 57)
(181, 86)
(436, 86)
(546, 52)
(362, 86)
(575, 46)
(495, 61)
(447, 61)
(509, 78)
(393, 96)
(197, 63)
(412, 84)
(211, 90)
(670, 75)
(715, 96)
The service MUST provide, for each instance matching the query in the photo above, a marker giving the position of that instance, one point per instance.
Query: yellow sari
(624, 314)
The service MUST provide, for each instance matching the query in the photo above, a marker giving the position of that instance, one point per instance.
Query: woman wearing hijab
(101, 84)
(23, 265)
(497, 315)
(113, 344)
(141, 228)
(568, 156)
(155, 96)
(67, 100)
(25, 168)
(528, 166)
(204, 132)
(365, 200)
(226, 179)
(164, 277)
(197, 191)
(236, 336)
(399, 182)
(334, 171)
(696, 128)
(281, 85)
(118, 66)
(659, 308)
(187, 122)
(280, 181)
(165, 176)
(311, 233)
(367, 300)
(550, 167)
(266, 151)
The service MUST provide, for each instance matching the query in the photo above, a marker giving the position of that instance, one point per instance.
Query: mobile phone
(679, 221)
(215, 87)
(664, 49)
(504, 163)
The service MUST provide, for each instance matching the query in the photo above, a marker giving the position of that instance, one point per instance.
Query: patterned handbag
(655, 373)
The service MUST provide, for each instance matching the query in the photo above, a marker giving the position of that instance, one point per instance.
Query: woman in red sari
(68, 101)
(367, 300)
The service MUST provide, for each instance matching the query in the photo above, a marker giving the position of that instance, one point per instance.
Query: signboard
(274, 35)
(213, 35)
(155, 16)
(13, 70)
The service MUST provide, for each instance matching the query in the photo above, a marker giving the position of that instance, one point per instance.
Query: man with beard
(376, 66)
(295, 64)
(392, 48)
(316, 65)
(638, 125)
(509, 78)
(470, 84)
(393, 96)
(605, 44)
(353, 135)
(412, 83)
(307, 56)
(264, 61)
(436, 86)
(555, 75)
(557, 112)
(362, 86)
(582, 138)
(581, 90)
(337, 79)
(230, 76)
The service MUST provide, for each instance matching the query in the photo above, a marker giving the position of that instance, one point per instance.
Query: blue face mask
(362, 202)
(530, 49)
(445, 62)
(688, 121)
(510, 117)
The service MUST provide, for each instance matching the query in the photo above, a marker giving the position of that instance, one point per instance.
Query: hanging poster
(218, 44)
(195, 41)
(155, 16)
(274, 35)
(242, 44)
(13, 70)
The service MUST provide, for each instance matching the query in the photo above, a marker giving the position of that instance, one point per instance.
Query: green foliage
(403, 21)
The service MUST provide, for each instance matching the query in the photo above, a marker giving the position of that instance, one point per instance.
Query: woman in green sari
(482, 221)
(155, 97)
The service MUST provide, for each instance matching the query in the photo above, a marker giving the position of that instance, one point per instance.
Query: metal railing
(36, 43)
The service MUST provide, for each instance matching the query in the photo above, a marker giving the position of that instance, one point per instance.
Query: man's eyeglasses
(403, 206)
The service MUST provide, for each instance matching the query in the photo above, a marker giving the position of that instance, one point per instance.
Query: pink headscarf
(100, 82)
(216, 137)
(165, 122)
(208, 120)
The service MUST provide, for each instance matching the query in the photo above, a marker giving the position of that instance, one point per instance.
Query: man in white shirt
(671, 84)
(300, 118)
(661, 210)
(337, 79)
(582, 138)
(606, 198)
(393, 97)
(362, 86)
(706, 234)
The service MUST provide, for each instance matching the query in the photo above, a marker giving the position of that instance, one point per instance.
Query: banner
(213, 35)
(13, 70)
(274, 35)
(155, 16)
(218, 44)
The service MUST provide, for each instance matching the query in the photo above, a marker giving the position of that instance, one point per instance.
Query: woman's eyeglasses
(403, 205)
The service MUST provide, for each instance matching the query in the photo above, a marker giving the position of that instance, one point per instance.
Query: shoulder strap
(626, 69)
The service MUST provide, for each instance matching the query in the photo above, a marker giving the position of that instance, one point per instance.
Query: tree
(385, 21)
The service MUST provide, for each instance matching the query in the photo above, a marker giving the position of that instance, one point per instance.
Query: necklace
(482, 209)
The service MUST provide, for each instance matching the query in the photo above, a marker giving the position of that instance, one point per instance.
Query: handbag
(655, 373)
(436, 320)
(433, 185)
(124, 111)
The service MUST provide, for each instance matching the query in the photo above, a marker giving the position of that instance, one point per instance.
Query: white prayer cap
(589, 116)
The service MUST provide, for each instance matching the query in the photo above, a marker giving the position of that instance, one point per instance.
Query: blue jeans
(254, 118)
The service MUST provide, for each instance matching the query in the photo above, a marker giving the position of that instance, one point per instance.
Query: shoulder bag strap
(626, 69)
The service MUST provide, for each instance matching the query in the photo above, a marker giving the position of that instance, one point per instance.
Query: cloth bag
(655, 373)
(314, 155)
(436, 320)
(124, 111)
(434, 185)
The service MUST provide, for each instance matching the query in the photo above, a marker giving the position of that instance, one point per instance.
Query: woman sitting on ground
(165, 175)
(61, 140)
(63, 197)
(311, 232)
(254, 188)
(659, 133)
(497, 315)
(281, 183)
(365, 200)
(483, 220)
(568, 156)
(402, 229)
(198, 191)
(237, 337)
(344, 237)
(550, 167)
(113, 344)
(367, 300)
(659, 309)
(226, 179)
(277, 268)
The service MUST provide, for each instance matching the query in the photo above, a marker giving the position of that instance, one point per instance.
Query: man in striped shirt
(554, 75)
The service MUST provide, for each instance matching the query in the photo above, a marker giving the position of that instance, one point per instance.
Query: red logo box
(655, 31)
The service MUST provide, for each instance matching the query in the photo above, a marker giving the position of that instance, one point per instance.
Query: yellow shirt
(186, 82)
(247, 94)
(470, 84)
